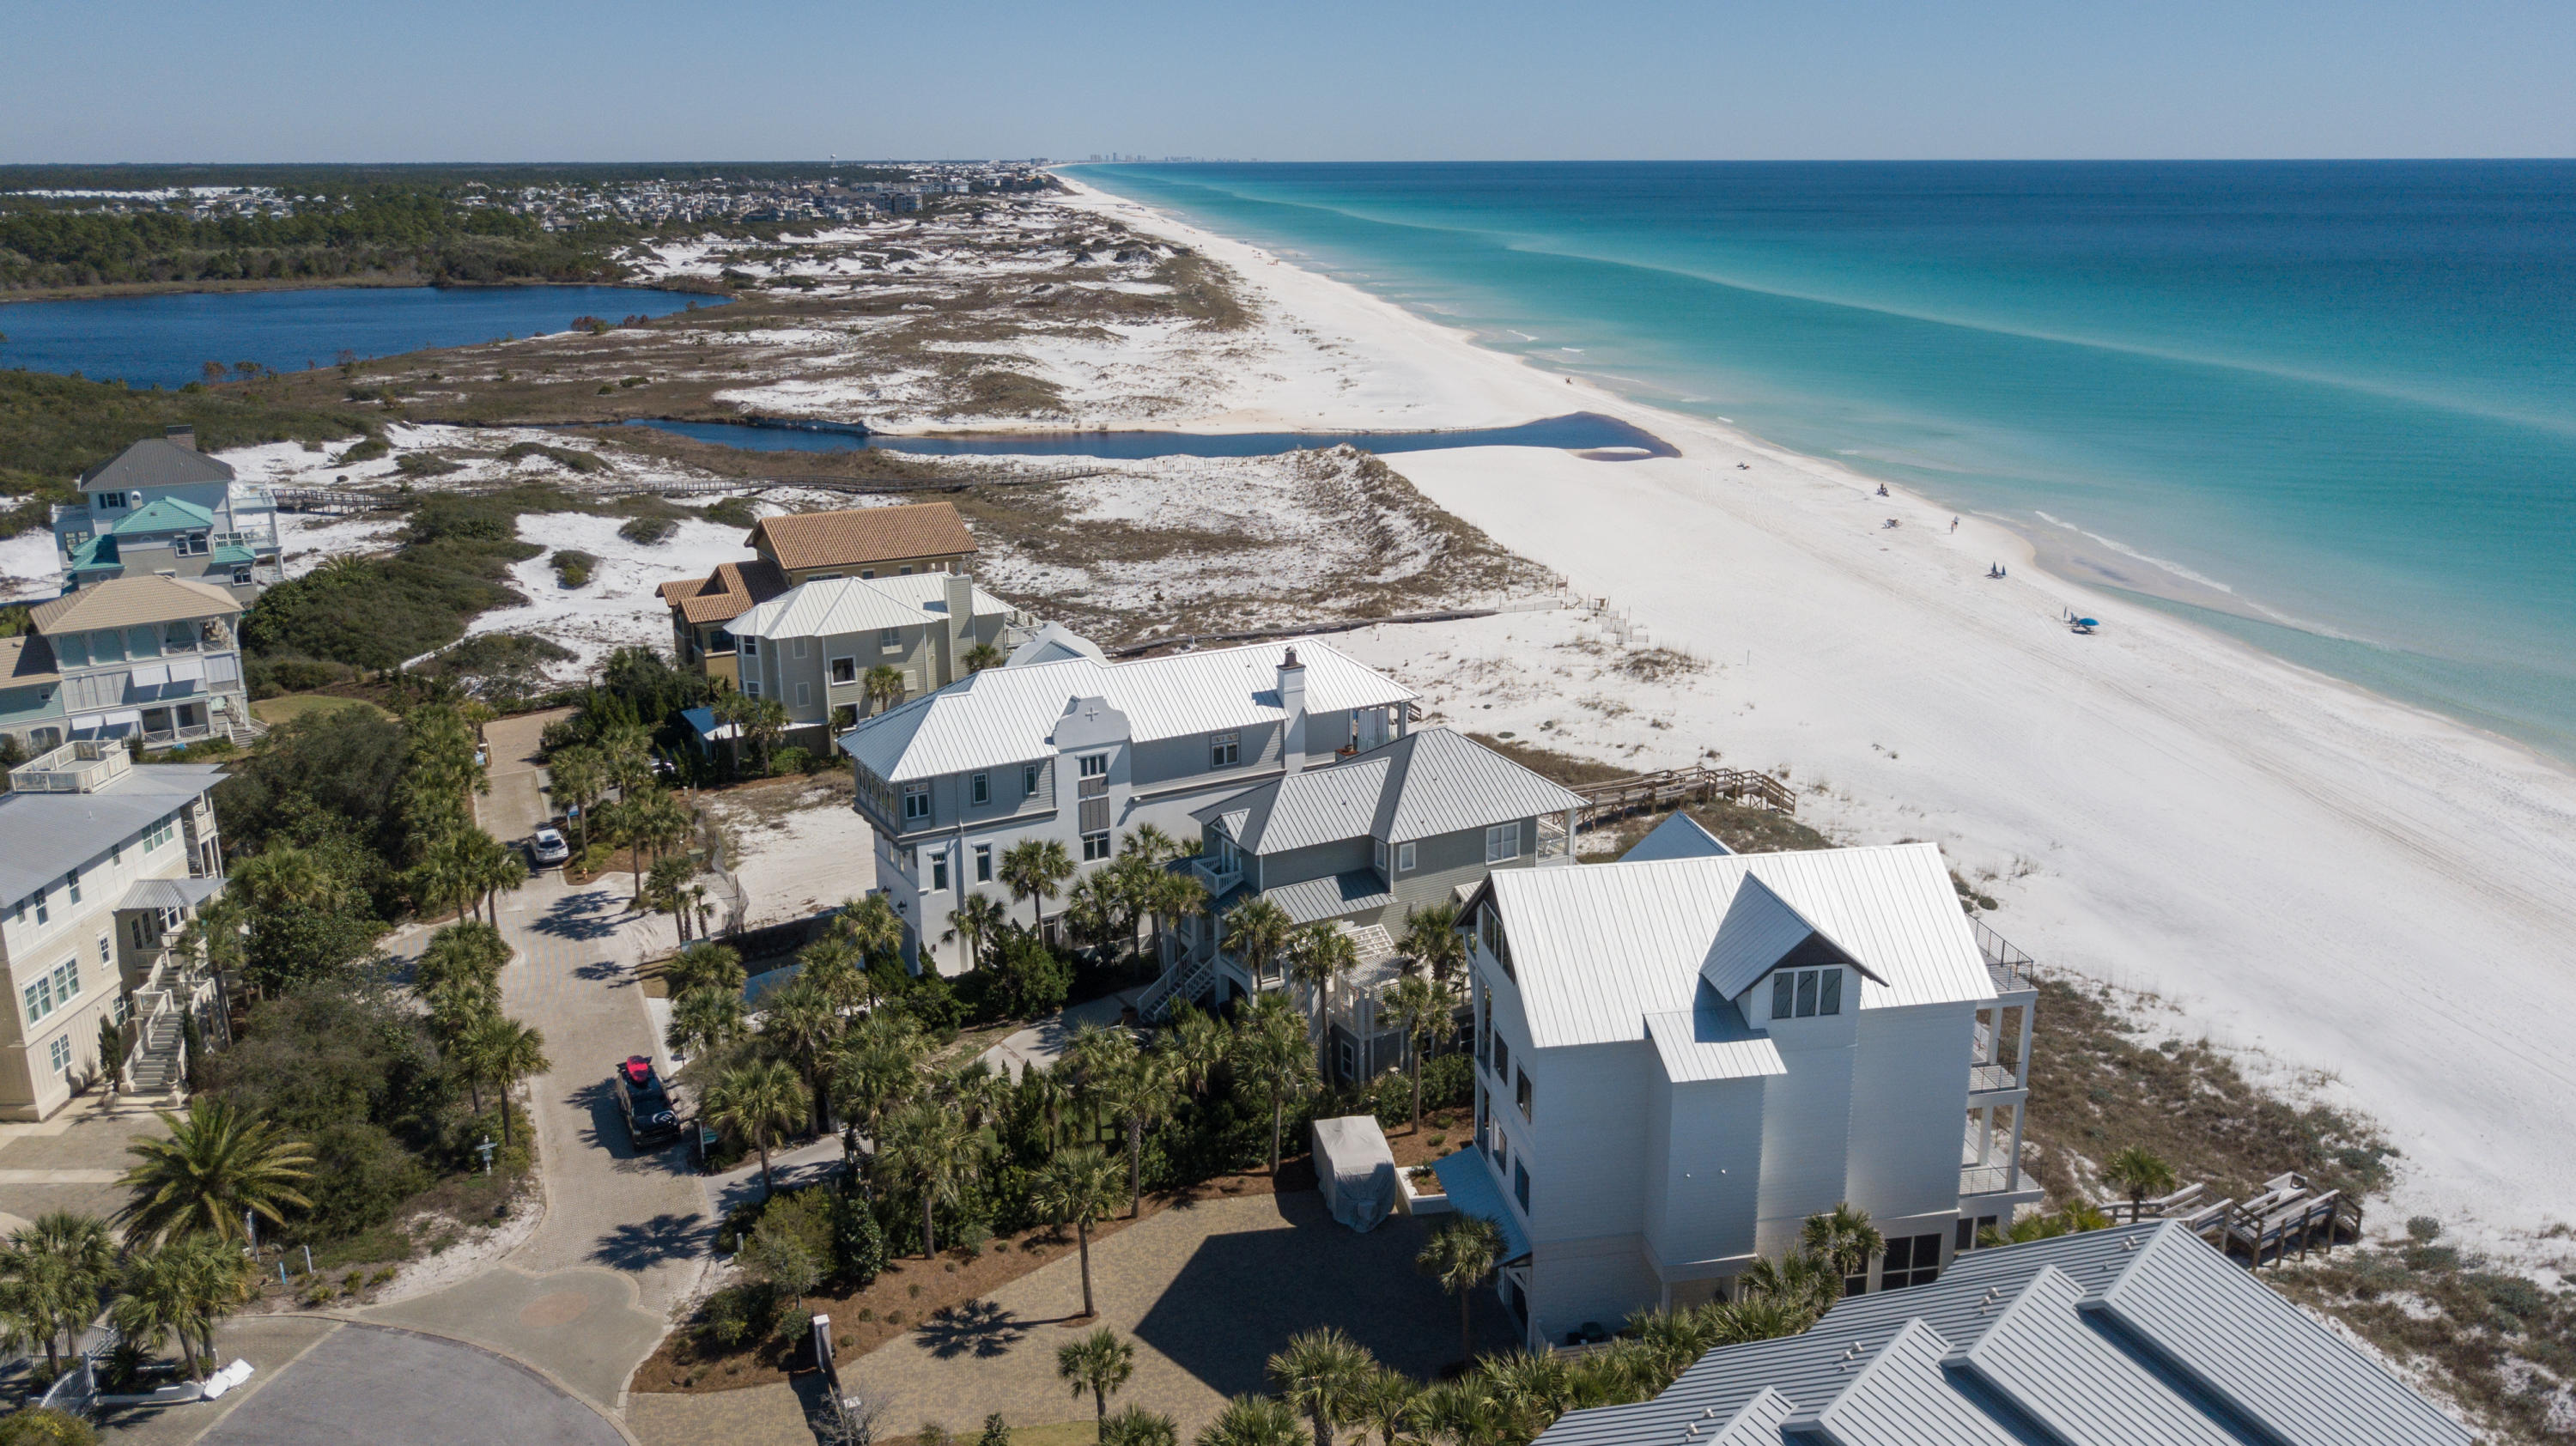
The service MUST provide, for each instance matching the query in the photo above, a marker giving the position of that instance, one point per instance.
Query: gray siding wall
(1295, 866)
(1909, 1098)
(1183, 762)
(1444, 861)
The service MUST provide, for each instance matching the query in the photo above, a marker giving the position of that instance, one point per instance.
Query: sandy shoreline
(2378, 898)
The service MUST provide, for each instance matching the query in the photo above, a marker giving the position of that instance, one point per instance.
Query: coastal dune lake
(1605, 438)
(166, 340)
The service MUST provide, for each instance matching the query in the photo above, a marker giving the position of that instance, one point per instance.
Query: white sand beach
(2366, 898)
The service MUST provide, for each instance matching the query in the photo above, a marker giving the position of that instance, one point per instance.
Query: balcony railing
(1987, 1179)
(1217, 874)
(1991, 1078)
(2009, 966)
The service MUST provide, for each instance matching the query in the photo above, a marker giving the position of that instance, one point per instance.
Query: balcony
(1988, 1180)
(1220, 874)
(2009, 967)
(1986, 1079)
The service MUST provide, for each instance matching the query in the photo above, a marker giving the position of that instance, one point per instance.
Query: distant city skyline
(574, 80)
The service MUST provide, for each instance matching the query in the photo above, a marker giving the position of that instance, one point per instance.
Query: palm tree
(1458, 1411)
(1325, 1374)
(1755, 1318)
(884, 686)
(2075, 1219)
(575, 777)
(1137, 1426)
(1138, 1090)
(704, 1019)
(731, 709)
(802, 1022)
(1078, 1187)
(2138, 1172)
(1148, 843)
(1099, 1363)
(1269, 1050)
(1195, 1043)
(1036, 869)
(182, 1289)
(754, 1101)
(1797, 1280)
(650, 819)
(504, 1051)
(765, 719)
(490, 868)
(1175, 896)
(976, 918)
(1461, 1254)
(666, 891)
(1253, 1421)
(1131, 883)
(1420, 1009)
(704, 965)
(873, 925)
(1431, 937)
(1844, 1239)
(51, 1273)
(1256, 930)
(1386, 1401)
(1319, 957)
(930, 1147)
(217, 1165)
(877, 1069)
(1091, 910)
(982, 656)
(469, 952)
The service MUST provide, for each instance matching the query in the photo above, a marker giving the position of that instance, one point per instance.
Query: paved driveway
(365, 1386)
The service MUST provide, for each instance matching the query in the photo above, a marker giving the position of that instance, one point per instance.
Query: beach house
(102, 863)
(834, 650)
(863, 542)
(2136, 1334)
(151, 658)
(1081, 750)
(31, 696)
(163, 508)
(1680, 1060)
(1358, 846)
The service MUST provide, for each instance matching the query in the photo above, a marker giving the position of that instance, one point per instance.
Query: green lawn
(288, 707)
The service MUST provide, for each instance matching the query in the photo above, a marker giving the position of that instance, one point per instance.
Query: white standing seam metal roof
(1420, 786)
(1760, 929)
(1712, 1043)
(1008, 715)
(1597, 949)
(849, 605)
(2140, 1335)
(44, 835)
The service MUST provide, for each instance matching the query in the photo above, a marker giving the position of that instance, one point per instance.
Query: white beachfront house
(1083, 751)
(1412, 823)
(1680, 1060)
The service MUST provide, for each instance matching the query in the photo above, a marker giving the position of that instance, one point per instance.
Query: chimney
(1292, 707)
(182, 435)
(958, 590)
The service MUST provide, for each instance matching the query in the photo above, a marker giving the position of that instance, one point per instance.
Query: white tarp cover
(1356, 1170)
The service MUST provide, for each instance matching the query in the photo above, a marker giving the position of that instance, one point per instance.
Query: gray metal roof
(1679, 836)
(843, 606)
(44, 835)
(170, 893)
(2140, 1335)
(1330, 897)
(1008, 715)
(155, 462)
(1419, 786)
(1598, 948)
(1760, 930)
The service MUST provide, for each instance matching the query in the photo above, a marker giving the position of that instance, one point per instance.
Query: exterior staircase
(1186, 979)
(159, 1063)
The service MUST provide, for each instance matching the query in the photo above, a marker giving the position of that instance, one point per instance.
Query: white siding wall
(1586, 1139)
(1806, 1124)
(1909, 1097)
(1707, 1195)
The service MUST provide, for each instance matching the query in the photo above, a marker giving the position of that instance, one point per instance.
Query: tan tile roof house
(130, 602)
(860, 542)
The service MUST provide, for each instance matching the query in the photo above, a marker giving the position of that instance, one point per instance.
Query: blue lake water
(2342, 394)
(167, 340)
(1589, 432)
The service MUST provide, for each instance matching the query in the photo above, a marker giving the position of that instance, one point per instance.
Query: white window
(153, 838)
(845, 670)
(889, 639)
(1095, 846)
(983, 863)
(1225, 750)
(111, 499)
(71, 881)
(107, 949)
(1502, 842)
(44, 911)
(979, 788)
(916, 802)
(1806, 993)
(751, 687)
(1404, 858)
(804, 695)
(750, 646)
(1381, 856)
(799, 648)
(939, 872)
(1028, 780)
(1095, 765)
(59, 1054)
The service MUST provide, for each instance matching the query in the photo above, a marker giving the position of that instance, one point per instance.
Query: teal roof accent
(97, 555)
(169, 514)
(231, 557)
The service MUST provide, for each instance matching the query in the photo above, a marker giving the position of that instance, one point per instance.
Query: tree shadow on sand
(581, 916)
(975, 1328)
(641, 1244)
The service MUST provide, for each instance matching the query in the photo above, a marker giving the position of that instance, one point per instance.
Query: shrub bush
(367, 449)
(648, 531)
(1028, 978)
(572, 568)
(733, 512)
(572, 457)
(423, 464)
(790, 760)
(271, 676)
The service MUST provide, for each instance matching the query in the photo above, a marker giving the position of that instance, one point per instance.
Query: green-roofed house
(163, 508)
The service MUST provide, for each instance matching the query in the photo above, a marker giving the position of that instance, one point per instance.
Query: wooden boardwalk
(1695, 784)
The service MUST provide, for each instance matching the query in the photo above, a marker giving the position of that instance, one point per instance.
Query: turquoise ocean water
(2337, 401)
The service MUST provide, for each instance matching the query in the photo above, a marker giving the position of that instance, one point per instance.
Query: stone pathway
(72, 1161)
(1045, 1042)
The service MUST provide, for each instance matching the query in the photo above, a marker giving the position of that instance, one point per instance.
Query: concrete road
(517, 802)
(366, 1386)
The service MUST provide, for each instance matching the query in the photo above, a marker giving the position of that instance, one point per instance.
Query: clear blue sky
(220, 80)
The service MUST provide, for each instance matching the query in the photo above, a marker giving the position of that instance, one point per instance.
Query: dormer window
(1806, 993)
(111, 499)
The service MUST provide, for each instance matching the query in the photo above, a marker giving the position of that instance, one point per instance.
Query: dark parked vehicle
(651, 1118)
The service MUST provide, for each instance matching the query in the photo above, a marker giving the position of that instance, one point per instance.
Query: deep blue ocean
(2344, 394)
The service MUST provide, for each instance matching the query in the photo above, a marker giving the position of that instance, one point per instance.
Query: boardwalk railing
(352, 500)
(1648, 791)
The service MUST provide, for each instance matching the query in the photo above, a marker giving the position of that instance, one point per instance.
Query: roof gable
(859, 536)
(1760, 933)
(155, 462)
(132, 601)
(1679, 836)
(165, 514)
(1429, 782)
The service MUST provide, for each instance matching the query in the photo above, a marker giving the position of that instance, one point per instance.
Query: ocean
(2328, 408)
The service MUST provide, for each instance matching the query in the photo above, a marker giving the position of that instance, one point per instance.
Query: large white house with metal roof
(813, 646)
(2141, 1335)
(1083, 751)
(1359, 846)
(1680, 1060)
(163, 507)
(102, 862)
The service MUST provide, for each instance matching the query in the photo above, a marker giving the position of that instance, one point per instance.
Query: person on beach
(1954, 524)
(1882, 489)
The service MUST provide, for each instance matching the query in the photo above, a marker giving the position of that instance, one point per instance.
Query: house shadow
(640, 1244)
(591, 915)
(1240, 1296)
